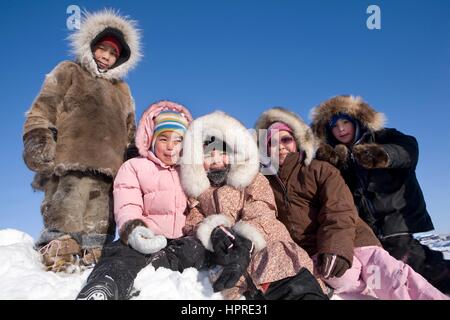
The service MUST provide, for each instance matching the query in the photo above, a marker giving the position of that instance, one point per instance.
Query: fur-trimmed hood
(243, 152)
(95, 26)
(144, 133)
(353, 106)
(301, 131)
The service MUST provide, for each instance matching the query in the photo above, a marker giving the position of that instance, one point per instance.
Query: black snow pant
(122, 263)
(429, 263)
(302, 286)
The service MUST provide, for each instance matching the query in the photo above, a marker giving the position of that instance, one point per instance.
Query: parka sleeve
(42, 114)
(337, 215)
(128, 198)
(402, 149)
(132, 150)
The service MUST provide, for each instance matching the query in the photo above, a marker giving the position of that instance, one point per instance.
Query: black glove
(229, 276)
(229, 247)
(188, 253)
(231, 251)
(332, 265)
(336, 156)
(371, 156)
(39, 150)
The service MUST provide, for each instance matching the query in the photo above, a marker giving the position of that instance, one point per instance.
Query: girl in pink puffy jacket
(149, 208)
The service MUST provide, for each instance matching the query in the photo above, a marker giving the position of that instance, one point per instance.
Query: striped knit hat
(169, 120)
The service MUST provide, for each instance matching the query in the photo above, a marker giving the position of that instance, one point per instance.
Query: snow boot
(61, 254)
(91, 256)
(303, 286)
(103, 288)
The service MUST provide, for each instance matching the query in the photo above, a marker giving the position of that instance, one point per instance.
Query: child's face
(105, 56)
(285, 143)
(215, 160)
(344, 131)
(168, 147)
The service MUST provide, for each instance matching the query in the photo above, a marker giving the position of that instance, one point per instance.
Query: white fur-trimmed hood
(243, 154)
(92, 25)
(302, 133)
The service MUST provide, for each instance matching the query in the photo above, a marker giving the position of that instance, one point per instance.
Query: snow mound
(22, 276)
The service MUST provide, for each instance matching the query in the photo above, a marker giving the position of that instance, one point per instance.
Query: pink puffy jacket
(147, 189)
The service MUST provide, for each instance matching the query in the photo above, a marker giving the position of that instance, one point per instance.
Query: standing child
(232, 211)
(379, 166)
(76, 136)
(317, 208)
(149, 208)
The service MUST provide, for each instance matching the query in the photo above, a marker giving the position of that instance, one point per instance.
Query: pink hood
(146, 125)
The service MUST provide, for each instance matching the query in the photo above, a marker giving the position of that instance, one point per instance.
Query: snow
(22, 275)
(438, 242)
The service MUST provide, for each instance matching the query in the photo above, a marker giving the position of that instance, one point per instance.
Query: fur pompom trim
(207, 226)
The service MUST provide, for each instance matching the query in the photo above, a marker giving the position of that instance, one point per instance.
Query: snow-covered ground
(22, 276)
(438, 242)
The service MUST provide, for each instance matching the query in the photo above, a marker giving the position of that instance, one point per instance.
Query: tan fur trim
(62, 169)
(128, 227)
(302, 132)
(91, 26)
(353, 106)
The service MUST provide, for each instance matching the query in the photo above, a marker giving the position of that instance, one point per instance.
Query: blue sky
(244, 56)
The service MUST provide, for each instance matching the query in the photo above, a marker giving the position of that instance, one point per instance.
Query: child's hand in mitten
(336, 156)
(371, 156)
(39, 150)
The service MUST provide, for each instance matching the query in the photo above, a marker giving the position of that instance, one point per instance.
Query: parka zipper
(287, 203)
(365, 202)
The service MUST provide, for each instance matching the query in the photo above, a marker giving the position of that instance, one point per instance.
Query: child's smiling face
(344, 131)
(105, 56)
(168, 147)
(215, 160)
(285, 143)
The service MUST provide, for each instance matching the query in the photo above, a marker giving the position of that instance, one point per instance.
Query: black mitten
(229, 276)
(332, 265)
(231, 251)
(188, 252)
(229, 247)
(371, 155)
(39, 150)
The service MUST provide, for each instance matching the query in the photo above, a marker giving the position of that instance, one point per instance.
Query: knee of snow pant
(303, 286)
(50, 188)
(180, 254)
(64, 208)
(121, 263)
(429, 263)
(95, 240)
(98, 216)
(396, 280)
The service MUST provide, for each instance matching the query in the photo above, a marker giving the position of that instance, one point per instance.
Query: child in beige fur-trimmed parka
(232, 211)
(77, 134)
